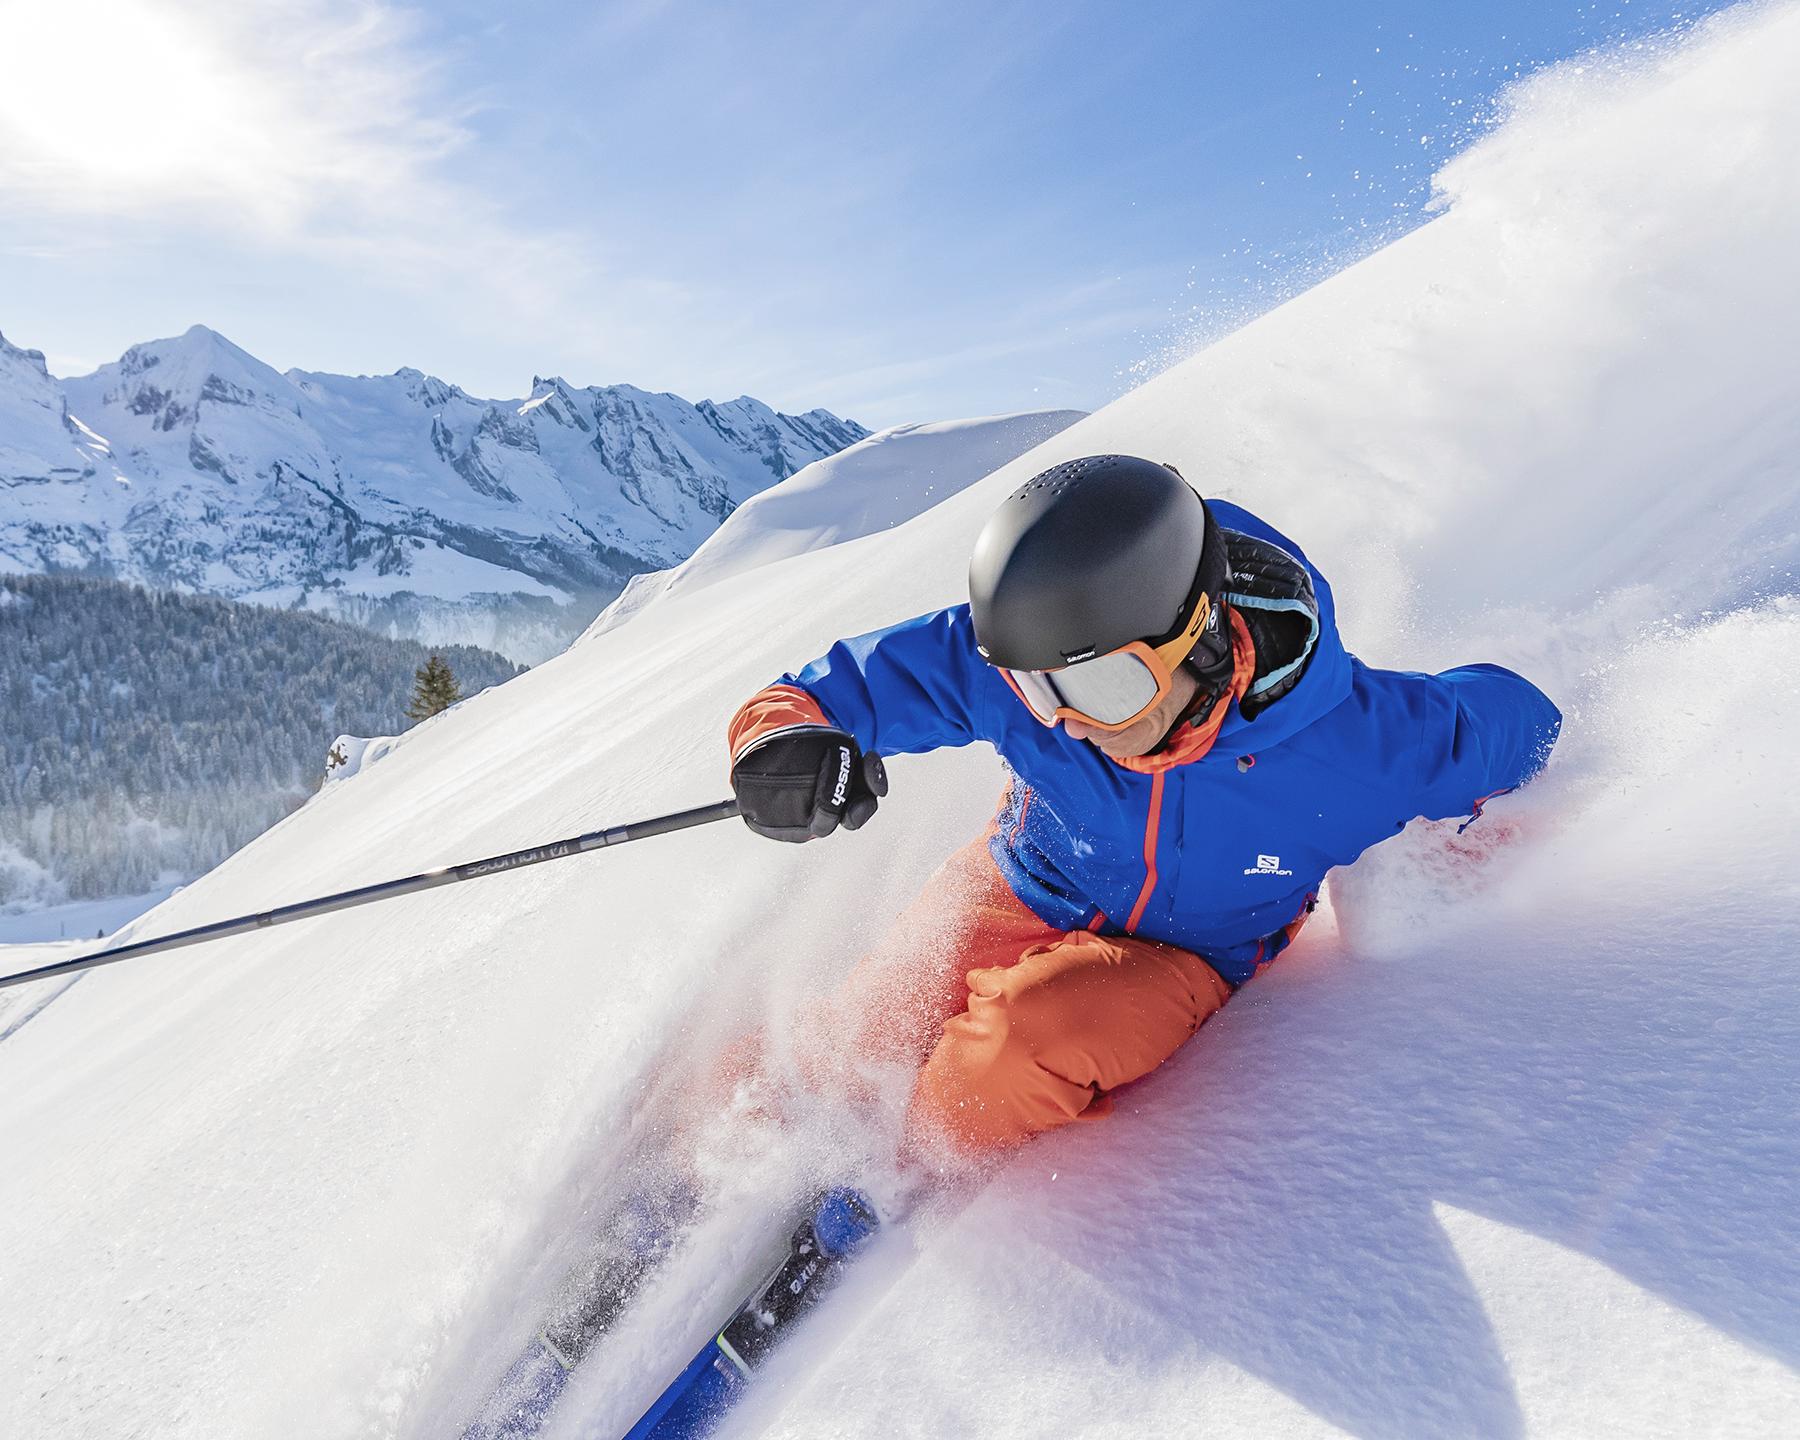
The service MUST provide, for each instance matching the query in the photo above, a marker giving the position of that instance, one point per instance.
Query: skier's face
(1142, 737)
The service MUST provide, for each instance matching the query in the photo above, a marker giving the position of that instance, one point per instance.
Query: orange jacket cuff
(777, 708)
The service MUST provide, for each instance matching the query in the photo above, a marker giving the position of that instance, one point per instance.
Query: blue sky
(900, 212)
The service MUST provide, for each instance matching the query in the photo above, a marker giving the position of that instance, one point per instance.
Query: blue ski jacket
(1222, 855)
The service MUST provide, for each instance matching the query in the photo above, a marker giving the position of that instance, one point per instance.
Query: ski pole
(347, 899)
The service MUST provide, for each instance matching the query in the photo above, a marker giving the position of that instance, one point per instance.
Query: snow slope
(77, 917)
(1506, 1145)
(40, 442)
(881, 481)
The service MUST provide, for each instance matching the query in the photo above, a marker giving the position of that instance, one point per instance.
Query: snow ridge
(881, 481)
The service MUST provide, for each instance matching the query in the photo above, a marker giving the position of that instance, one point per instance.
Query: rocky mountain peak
(15, 354)
(399, 500)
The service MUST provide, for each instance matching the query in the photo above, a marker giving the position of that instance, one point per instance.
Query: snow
(78, 918)
(350, 755)
(1505, 1145)
(40, 445)
(881, 481)
(41, 937)
(398, 499)
(431, 569)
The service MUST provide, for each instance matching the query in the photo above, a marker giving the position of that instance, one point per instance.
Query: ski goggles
(1115, 690)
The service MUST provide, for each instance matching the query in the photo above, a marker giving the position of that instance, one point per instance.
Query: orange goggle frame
(1128, 682)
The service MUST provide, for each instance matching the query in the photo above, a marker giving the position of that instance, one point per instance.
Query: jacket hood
(1321, 689)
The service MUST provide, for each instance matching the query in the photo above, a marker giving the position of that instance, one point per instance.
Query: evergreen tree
(434, 689)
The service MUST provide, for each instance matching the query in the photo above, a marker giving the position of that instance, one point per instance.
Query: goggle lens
(1109, 689)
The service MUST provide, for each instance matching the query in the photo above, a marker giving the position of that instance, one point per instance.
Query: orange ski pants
(1021, 1028)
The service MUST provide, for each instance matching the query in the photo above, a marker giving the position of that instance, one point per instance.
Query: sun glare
(98, 101)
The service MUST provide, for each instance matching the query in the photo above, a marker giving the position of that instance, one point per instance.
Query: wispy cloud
(323, 128)
(262, 116)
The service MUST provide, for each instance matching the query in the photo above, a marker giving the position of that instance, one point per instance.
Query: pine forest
(147, 735)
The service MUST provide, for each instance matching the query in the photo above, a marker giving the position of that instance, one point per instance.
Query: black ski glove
(801, 783)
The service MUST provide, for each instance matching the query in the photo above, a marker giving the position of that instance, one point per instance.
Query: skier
(1189, 748)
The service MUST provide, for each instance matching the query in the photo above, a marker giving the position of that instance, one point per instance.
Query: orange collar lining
(1196, 740)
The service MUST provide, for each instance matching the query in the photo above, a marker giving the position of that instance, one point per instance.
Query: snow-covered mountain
(40, 442)
(1504, 1146)
(398, 501)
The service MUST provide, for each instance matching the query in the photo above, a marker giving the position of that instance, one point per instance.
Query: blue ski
(835, 1226)
(640, 1234)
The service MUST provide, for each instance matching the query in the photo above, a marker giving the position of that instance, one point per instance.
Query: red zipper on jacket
(1152, 824)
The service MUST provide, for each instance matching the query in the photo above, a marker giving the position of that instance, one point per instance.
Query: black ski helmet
(1090, 555)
